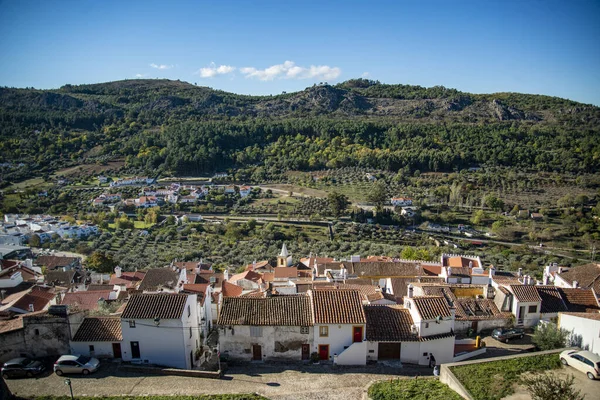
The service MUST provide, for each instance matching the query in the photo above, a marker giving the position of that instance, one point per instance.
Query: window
(532, 309)
(304, 330)
(425, 354)
(91, 348)
(190, 331)
(408, 305)
(189, 312)
(36, 332)
(323, 331)
(131, 323)
(426, 324)
(256, 331)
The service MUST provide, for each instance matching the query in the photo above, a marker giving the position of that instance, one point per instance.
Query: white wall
(277, 342)
(529, 319)
(442, 350)
(356, 354)
(583, 332)
(167, 344)
(340, 336)
(101, 349)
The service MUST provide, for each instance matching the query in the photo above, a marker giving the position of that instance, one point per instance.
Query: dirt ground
(591, 389)
(277, 383)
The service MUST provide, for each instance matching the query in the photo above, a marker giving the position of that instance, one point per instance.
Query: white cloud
(365, 75)
(161, 66)
(141, 75)
(213, 70)
(289, 70)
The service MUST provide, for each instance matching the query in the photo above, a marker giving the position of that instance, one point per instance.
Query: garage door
(389, 351)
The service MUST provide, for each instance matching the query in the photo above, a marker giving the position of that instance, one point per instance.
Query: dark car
(21, 367)
(505, 334)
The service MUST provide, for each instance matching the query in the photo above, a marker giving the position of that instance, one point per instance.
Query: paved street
(305, 382)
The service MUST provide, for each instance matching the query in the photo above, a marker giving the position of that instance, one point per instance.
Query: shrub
(413, 389)
(548, 336)
(550, 387)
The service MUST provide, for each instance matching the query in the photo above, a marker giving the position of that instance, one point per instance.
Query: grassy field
(412, 389)
(496, 380)
(34, 183)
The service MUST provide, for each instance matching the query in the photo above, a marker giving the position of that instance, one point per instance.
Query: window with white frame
(256, 331)
(131, 323)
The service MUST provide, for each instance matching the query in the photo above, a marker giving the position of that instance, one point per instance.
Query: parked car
(505, 334)
(20, 367)
(584, 361)
(74, 364)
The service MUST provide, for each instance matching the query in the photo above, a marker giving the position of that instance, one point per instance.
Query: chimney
(545, 279)
(470, 264)
(118, 271)
(31, 309)
(449, 271)
(520, 272)
(492, 271)
(2, 294)
(575, 284)
(560, 270)
(410, 291)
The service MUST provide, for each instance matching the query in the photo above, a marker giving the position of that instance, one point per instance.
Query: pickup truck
(505, 334)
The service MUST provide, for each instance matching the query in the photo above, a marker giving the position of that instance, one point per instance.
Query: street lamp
(68, 383)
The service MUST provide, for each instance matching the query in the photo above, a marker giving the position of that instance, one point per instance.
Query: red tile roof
(53, 262)
(39, 297)
(197, 288)
(248, 275)
(579, 299)
(291, 310)
(587, 315)
(85, 300)
(150, 306)
(431, 307)
(129, 279)
(587, 276)
(286, 272)
(159, 277)
(337, 307)
(231, 290)
(99, 329)
(552, 301)
(477, 309)
(525, 293)
(389, 324)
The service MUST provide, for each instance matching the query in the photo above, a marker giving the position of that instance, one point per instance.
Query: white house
(161, 329)
(401, 201)
(526, 304)
(245, 191)
(392, 336)
(98, 337)
(340, 321)
(264, 329)
(583, 328)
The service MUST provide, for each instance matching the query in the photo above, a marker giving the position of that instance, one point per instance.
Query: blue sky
(266, 47)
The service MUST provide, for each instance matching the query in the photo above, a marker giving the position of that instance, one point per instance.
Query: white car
(76, 365)
(585, 361)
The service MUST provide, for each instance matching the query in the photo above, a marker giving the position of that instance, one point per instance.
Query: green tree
(478, 217)
(378, 195)
(35, 241)
(337, 203)
(545, 386)
(493, 202)
(100, 262)
(548, 336)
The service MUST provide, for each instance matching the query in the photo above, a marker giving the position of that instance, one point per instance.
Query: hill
(180, 128)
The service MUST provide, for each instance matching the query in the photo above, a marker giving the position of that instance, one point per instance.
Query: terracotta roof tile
(256, 293)
(431, 307)
(59, 278)
(525, 293)
(9, 325)
(248, 275)
(292, 310)
(578, 299)
(53, 262)
(129, 279)
(384, 269)
(461, 262)
(337, 307)
(150, 306)
(477, 309)
(286, 272)
(99, 329)
(389, 324)
(587, 276)
(231, 290)
(85, 300)
(39, 297)
(552, 301)
(158, 277)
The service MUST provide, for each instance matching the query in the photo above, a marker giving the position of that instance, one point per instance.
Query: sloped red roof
(39, 297)
(85, 300)
(338, 306)
(231, 290)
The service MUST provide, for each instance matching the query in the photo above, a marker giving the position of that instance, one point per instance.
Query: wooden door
(324, 352)
(116, 350)
(135, 349)
(256, 352)
(388, 351)
(305, 351)
(357, 335)
(474, 326)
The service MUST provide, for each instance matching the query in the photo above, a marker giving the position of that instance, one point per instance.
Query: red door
(324, 352)
(358, 334)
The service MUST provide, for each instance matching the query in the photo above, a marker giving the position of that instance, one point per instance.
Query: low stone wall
(447, 377)
(470, 354)
(172, 371)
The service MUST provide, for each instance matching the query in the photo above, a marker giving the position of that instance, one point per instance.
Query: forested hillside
(183, 129)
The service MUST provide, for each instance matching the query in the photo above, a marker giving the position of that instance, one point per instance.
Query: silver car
(585, 361)
(76, 365)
